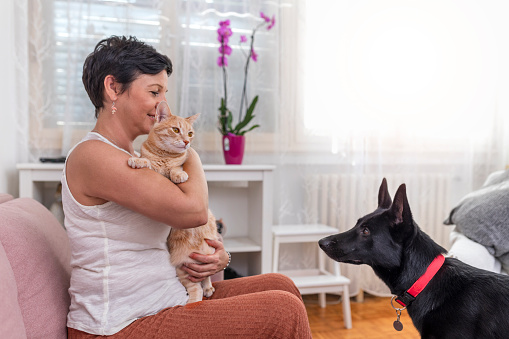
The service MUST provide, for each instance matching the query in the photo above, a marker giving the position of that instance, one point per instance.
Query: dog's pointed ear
(400, 208)
(384, 198)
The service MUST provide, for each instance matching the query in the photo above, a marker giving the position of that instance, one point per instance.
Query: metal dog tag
(398, 326)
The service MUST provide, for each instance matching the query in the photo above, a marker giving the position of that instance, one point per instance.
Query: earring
(113, 108)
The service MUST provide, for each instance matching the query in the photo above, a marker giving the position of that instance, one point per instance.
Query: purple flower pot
(233, 148)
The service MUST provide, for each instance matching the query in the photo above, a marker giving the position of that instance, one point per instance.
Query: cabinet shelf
(241, 245)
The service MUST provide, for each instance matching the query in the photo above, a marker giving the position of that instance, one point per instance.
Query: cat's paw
(178, 177)
(139, 163)
(194, 299)
(208, 291)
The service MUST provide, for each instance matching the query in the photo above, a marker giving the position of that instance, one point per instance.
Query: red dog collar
(421, 283)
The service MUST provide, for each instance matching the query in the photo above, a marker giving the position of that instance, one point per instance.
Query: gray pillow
(483, 216)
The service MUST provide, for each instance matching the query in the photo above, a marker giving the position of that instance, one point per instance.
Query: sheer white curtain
(59, 36)
(412, 91)
(61, 33)
(14, 93)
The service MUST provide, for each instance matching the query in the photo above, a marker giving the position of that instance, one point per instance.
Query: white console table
(239, 194)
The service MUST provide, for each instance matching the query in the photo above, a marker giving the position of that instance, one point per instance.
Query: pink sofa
(34, 271)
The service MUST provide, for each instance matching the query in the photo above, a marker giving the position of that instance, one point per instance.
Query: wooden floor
(372, 318)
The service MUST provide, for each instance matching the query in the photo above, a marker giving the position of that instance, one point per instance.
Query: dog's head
(376, 239)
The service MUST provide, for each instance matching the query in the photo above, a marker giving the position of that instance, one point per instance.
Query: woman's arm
(97, 173)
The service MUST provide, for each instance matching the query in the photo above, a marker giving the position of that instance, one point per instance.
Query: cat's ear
(162, 111)
(193, 118)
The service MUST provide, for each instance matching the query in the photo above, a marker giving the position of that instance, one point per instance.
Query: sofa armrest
(38, 252)
(5, 197)
(11, 320)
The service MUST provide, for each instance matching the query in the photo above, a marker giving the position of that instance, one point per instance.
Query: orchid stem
(243, 98)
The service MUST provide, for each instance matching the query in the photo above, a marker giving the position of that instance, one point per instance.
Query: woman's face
(139, 102)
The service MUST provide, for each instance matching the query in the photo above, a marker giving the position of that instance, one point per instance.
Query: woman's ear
(111, 87)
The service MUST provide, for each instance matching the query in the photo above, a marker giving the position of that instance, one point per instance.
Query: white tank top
(120, 264)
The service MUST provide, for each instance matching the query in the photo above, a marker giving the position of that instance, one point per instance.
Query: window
(78, 27)
(64, 32)
(201, 78)
(417, 70)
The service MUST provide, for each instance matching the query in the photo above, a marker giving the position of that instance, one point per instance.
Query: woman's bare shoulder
(93, 157)
(89, 168)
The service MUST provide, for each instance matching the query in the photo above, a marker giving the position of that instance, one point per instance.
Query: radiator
(339, 200)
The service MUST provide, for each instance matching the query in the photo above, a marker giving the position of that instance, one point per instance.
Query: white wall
(8, 151)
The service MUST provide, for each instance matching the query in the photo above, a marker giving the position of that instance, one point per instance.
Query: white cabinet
(239, 194)
(242, 196)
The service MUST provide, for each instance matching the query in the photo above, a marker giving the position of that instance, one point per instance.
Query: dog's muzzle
(327, 243)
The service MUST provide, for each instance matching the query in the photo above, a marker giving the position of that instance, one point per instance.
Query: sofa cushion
(472, 253)
(483, 216)
(11, 319)
(38, 251)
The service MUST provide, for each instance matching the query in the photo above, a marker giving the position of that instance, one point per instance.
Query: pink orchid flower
(222, 61)
(225, 49)
(254, 56)
(272, 22)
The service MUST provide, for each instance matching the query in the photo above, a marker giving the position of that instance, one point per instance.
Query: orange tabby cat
(164, 151)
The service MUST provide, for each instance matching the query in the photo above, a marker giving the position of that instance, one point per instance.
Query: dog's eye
(365, 231)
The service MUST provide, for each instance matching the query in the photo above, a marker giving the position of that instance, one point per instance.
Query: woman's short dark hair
(123, 58)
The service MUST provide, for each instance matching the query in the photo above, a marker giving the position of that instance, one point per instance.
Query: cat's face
(172, 133)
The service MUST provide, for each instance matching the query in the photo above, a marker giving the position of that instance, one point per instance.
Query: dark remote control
(53, 160)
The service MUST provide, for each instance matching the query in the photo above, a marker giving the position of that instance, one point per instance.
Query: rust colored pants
(262, 306)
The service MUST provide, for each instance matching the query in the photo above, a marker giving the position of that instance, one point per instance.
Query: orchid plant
(225, 117)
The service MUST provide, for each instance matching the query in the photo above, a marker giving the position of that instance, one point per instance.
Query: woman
(122, 283)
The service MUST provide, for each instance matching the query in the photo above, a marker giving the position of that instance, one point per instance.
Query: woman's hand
(208, 264)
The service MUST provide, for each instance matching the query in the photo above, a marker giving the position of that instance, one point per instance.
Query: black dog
(459, 301)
